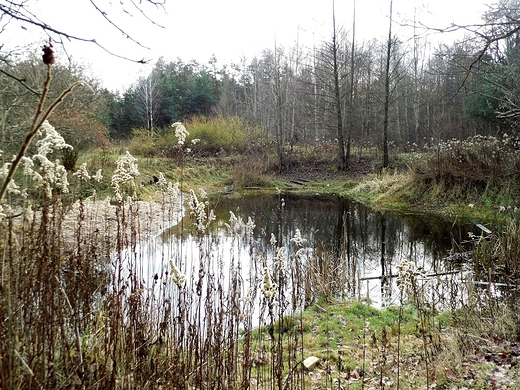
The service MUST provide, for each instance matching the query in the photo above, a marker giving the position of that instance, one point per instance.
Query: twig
(397, 275)
(76, 329)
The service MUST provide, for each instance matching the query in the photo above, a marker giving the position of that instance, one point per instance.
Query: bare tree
(417, 72)
(351, 95)
(280, 86)
(386, 108)
(338, 98)
(148, 100)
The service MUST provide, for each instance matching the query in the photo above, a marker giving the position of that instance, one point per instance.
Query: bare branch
(19, 12)
(125, 34)
(143, 14)
(21, 81)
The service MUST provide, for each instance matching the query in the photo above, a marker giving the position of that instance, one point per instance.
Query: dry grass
(377, 186)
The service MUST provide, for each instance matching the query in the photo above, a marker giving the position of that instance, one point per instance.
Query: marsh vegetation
(85, 307)
(114, 275)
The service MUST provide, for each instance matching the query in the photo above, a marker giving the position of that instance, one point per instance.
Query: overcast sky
(229, 29)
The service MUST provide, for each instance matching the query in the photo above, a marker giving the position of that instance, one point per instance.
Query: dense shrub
(480, 160)
(207, 137)
(219, 134)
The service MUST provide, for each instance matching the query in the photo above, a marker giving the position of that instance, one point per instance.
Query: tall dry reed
(85, 306)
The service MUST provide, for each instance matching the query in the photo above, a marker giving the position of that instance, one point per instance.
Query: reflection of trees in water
(359, 242)
(343, 226)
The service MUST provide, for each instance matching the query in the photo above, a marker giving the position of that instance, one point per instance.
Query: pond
(349, 250)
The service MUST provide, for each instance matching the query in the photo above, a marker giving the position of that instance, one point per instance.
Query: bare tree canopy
(500, 22)
(25, 14)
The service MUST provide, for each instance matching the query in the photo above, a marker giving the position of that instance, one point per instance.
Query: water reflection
(361, 245)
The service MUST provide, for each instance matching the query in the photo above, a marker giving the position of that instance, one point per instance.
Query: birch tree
(148, 101)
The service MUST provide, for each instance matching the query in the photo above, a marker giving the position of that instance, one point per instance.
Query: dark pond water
(365, 245)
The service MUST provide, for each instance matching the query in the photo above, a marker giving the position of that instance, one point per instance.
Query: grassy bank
(358, 347)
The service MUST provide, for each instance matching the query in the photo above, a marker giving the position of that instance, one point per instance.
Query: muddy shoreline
(145, 219)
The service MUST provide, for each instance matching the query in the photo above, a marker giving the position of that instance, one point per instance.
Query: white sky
(229, 29)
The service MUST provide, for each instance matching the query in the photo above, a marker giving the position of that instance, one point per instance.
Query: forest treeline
(334, 91)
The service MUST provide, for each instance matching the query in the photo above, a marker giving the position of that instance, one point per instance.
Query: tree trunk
(337, 96)
(351, 99)
(387, 92)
